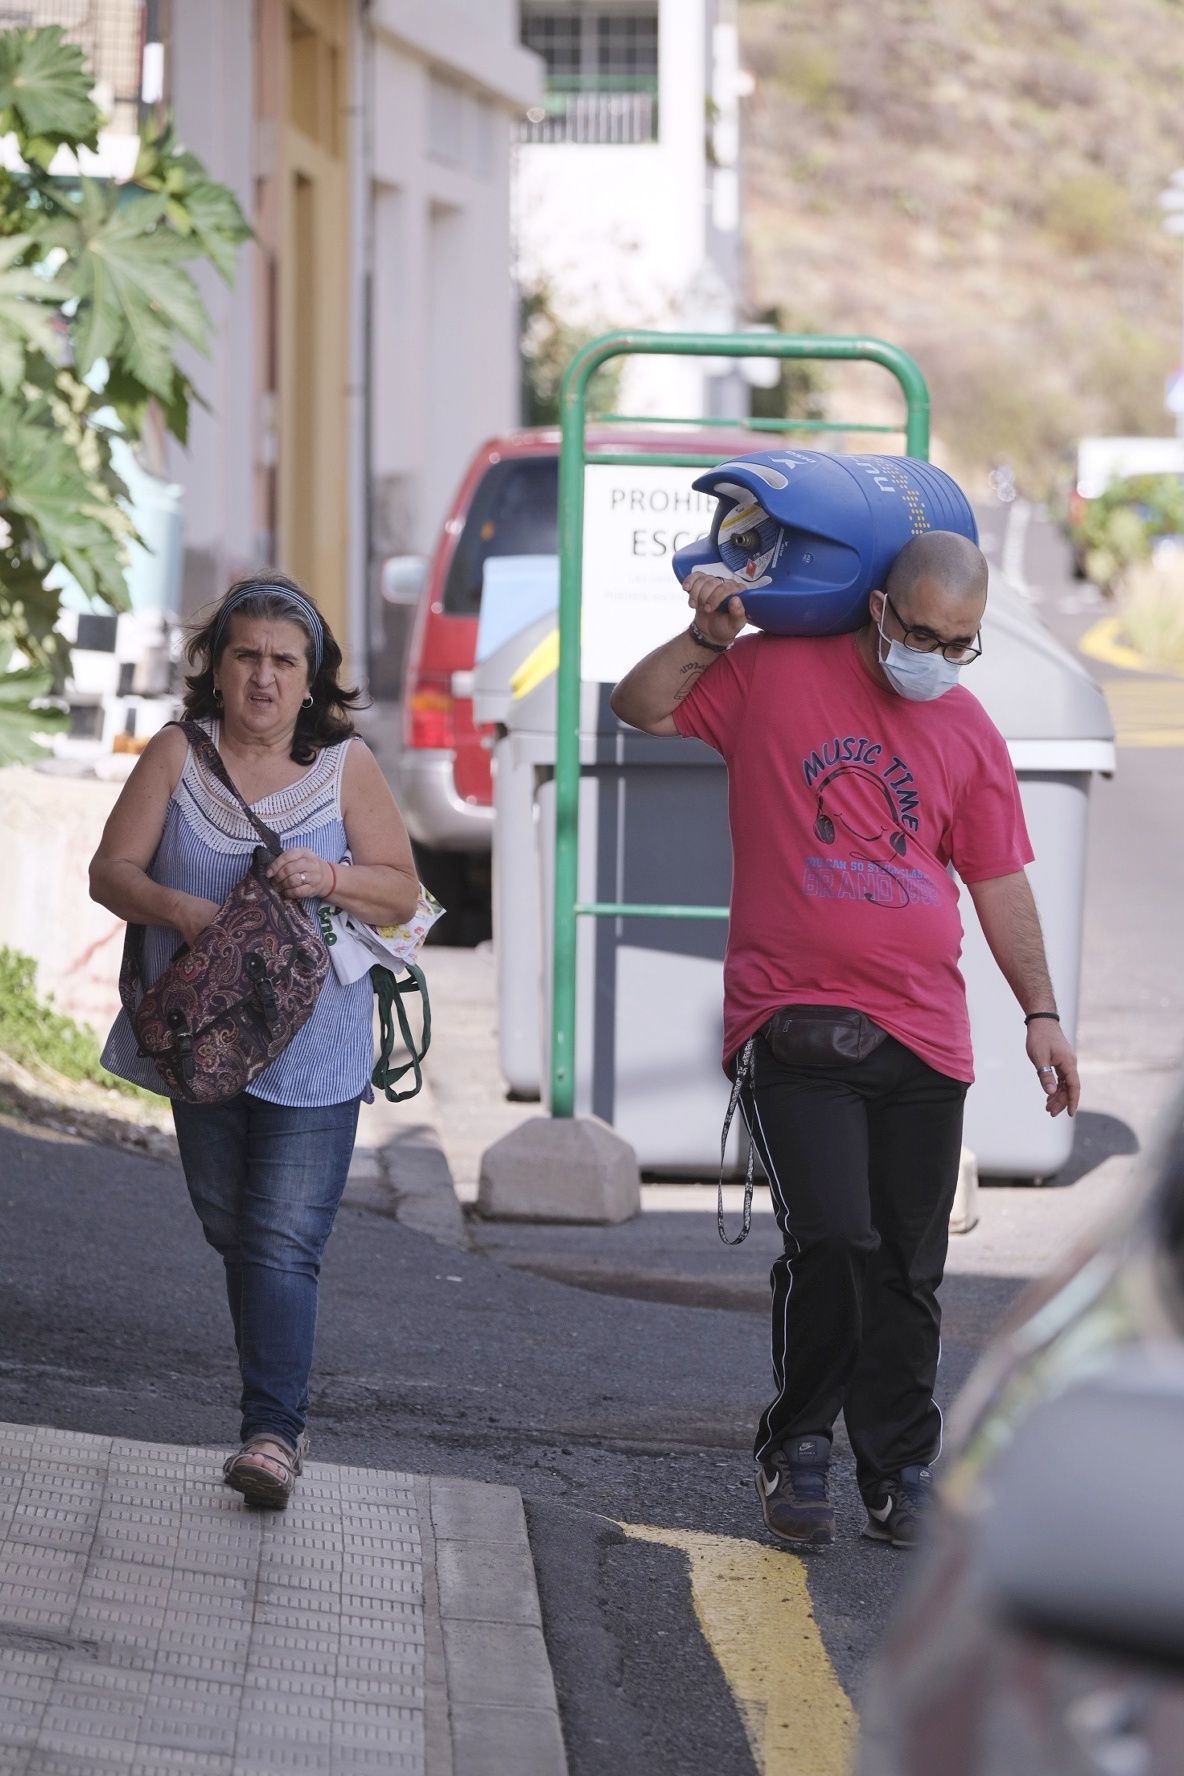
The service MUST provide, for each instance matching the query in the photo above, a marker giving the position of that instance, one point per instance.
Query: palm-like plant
(95, 299)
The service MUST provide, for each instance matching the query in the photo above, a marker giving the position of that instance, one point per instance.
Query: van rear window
(515, 511)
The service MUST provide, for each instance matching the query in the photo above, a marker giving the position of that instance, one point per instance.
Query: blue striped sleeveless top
(204, 849)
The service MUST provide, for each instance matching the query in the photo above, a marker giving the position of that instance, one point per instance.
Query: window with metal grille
(627, 46)
(602, 73)
(111, 35)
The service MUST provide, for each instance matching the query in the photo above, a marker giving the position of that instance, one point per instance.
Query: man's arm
(1011, 926)
(647, 696)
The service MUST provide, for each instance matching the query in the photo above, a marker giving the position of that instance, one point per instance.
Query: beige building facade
(370, 339)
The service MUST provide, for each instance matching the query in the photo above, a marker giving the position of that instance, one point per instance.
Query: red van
(507, 504)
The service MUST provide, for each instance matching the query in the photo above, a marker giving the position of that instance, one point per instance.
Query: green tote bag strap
(392, 1010)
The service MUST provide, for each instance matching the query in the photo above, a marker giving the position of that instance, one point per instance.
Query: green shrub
(1151, 600)
(547, 343)
(800, 389)
(1121, 526)
(37, 1037)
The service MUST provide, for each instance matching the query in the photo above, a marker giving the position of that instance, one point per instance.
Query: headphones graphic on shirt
(824, 826)
(824, 831)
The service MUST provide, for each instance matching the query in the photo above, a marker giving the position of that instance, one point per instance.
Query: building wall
(643, 235)
(211, 67)
(446, 84)
(370, 341)
(262, 93)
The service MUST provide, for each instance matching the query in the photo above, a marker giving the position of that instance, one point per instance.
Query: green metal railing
(574, 458)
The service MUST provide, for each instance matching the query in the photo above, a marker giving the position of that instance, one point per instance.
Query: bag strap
(390, 993)
(131, 966)
(744, 1074)
(208, 753)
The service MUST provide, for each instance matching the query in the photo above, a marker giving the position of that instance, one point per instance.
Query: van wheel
(460, 882)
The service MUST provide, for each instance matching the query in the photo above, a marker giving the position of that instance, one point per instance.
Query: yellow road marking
(1147, 711)
(754, 1609)
(1103, 641)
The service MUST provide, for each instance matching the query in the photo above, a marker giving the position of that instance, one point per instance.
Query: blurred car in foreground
(1042, 1633)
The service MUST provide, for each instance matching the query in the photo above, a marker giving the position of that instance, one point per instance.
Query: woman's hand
(193, 915)
(301, 875)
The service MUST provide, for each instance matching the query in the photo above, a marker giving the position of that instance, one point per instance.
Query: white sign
(634, 520)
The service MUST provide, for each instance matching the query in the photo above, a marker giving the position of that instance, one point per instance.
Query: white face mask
(919, 677)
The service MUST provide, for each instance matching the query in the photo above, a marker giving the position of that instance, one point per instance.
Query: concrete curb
(399, 1167)
(503, 1711)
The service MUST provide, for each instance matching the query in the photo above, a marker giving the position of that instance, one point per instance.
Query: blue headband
(303, 612)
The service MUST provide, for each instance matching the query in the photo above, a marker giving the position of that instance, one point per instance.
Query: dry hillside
(977, 180)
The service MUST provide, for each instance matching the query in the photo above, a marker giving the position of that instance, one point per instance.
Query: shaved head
(933, 597)
(945, 560)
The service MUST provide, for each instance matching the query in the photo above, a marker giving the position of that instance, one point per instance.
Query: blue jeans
(266, 1180)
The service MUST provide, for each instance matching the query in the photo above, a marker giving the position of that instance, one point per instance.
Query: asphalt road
(628, 1398)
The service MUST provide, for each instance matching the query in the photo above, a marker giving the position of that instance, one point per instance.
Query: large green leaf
(135, 297)
(121, 295)
(218, 223)
(45, 93)
(130, 399)
(26, 297)
(203, 211)
(20, 721)
(76, 520)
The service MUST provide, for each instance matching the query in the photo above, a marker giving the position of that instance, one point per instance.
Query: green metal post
(572, 460)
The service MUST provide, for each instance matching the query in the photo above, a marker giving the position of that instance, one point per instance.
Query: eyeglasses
(923, 641)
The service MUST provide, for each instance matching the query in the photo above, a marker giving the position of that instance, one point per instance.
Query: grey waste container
(649, 1002)
(1059, 733)
(516, 894)
(653, 827)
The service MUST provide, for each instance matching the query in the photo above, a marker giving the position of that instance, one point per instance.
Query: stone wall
(50, 826)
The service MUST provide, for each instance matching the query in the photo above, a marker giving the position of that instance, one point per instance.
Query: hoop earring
(306, 703)
(217, 695)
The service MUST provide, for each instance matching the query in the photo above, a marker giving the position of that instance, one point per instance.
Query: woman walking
(266, 1169)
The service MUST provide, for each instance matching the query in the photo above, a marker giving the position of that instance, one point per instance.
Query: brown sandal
(262, 1485)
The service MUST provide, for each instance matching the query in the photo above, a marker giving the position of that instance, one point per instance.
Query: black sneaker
(899, 1516)
(792, 1486)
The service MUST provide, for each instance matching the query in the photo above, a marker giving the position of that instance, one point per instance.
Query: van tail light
(430, 718)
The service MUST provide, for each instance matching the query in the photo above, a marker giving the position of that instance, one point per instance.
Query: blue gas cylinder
(812, 534)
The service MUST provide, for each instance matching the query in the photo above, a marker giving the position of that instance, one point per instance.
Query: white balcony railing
(593, 117)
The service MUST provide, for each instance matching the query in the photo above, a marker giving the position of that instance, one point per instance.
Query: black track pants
(862, 1160)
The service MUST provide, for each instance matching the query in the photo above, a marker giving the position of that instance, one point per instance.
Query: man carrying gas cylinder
(859, 770)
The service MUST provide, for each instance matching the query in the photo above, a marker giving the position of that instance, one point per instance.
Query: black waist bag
(799, 1036)
(821, 1035)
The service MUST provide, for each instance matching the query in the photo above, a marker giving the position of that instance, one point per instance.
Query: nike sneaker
(793, 1486)
(898, 1516)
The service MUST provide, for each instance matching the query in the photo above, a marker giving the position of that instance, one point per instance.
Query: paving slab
(150, 1621)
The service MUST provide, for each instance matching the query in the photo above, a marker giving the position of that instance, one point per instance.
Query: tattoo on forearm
(689, 672)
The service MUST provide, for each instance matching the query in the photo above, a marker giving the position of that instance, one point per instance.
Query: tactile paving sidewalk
(150, 1622)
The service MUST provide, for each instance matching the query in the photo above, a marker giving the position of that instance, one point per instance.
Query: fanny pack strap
(744, 1075)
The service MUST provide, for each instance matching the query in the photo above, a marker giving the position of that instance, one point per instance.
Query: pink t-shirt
(847, 804)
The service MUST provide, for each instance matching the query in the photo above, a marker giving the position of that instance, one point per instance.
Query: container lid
(1031, 686)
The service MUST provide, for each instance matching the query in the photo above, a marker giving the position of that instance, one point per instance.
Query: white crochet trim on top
(212, 814)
